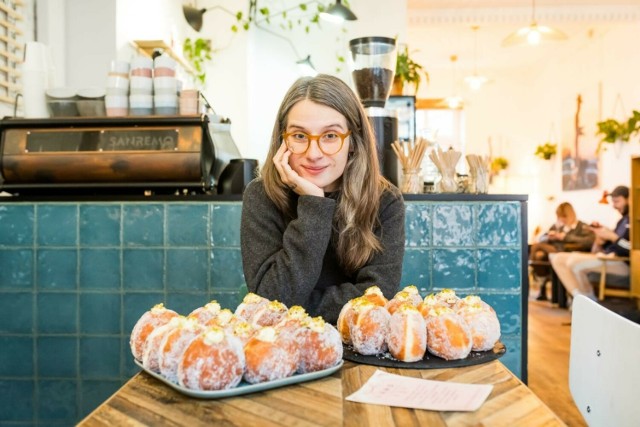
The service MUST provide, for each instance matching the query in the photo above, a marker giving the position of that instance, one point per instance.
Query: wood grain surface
(146, 401)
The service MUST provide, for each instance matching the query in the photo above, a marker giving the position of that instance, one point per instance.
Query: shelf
(147, 47)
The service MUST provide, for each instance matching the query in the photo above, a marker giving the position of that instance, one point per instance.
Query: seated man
(572, 268)
(567, 234)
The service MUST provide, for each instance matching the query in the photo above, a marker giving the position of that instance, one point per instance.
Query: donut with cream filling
(407, 337)
(320, 346)
(157, 316)
(267, 358)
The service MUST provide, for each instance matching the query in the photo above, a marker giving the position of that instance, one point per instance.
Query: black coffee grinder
(373, 65)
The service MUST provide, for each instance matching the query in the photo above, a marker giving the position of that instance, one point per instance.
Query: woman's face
(323, 170)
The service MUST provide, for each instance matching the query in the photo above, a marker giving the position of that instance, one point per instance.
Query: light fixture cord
(533, 11)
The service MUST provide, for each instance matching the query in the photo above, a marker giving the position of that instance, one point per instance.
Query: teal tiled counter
(75, 276)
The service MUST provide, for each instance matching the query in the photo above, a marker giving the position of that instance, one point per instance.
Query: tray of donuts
(214, 353)
(440, 331)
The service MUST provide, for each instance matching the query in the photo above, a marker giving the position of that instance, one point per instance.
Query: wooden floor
(549, 342)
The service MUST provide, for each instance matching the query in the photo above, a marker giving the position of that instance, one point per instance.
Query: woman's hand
(605, 234)
(290, 178)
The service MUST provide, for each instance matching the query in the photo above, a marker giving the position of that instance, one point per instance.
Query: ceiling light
(475, 81)
(194, 15)
(454, 101)
(338, 13)
(533, 34)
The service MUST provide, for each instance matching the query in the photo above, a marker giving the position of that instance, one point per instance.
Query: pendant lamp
(533, 34)
(454, 101)
(475, 80)
(338, 13)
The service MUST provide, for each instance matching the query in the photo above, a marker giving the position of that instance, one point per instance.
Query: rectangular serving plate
(244, 387)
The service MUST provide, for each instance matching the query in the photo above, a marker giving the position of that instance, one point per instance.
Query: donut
(211, 361)
(448, 296)
(243, 331)
(269, 314)
(225, 320)
(267, 359)
(250, 303)
(483, 321)
(320, 346)
(448, 334)
(374, 294)
(415, 294)
(205, 313)
(345, 320)
(151, 352)
(402, 298)
(430, 302)
(369, 329)
(173, 345)
(157, 316)
(407, 337)
(290, 324)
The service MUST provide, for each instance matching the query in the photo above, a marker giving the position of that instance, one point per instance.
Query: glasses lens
(298, 142)
(330, 142)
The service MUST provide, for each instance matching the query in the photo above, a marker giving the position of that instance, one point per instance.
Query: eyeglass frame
(343, 136)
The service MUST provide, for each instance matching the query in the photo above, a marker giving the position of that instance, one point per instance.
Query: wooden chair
(618, 286)
(604, 372)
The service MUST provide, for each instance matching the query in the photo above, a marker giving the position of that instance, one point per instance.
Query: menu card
(395, 390)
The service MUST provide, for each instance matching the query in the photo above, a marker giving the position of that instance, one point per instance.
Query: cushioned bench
(613, 280)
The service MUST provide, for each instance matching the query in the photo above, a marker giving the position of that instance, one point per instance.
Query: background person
(572, 267)
(566, 234)
(322, 224)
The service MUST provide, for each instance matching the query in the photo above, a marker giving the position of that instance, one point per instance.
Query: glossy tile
(453, 225)
(454, 268)
(17, 268)
(143, 269)
(416, 269)
(226, 269)
(57, 269)
(57, 313)
(100, 224)
(417, 225)
(99, 358)
(185, 303)
(229, 299)
(187, 270)
(16, 312)
(499, 269)
(499, 224)
(20, 390)
(16, 225)
(57, 225)
(225, 224)
(57, 356)
(100, 313)
(11, 366)
(509, 310)
(143, 224)
(136, 304)
(60, 404)
(187, 225)
(93, 393)
(100, 269)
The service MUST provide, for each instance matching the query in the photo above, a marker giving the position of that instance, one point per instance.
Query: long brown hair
(361, 185)
(565, 210)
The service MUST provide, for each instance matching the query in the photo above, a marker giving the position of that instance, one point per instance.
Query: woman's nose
(314, 149)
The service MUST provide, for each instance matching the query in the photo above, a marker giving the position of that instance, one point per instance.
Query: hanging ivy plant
(198, 53)
(546, 151)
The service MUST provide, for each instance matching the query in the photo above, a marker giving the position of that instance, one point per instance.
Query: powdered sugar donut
(375, 295)
(430, 302)
(448, 334)
(267, 358)
(151, 352)
(407, 337)
(211, 361)
(415, 294)
(174, 344)
(448, 296)
(157, 316)
(250, 303)
(345, 320)
(402, 298)
(483, 321)
(205, 313)
(369, 329)
(225, 320)
(269, 314)
(320, 346)
(243, 331)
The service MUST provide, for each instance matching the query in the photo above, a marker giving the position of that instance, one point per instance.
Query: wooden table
(146, 401)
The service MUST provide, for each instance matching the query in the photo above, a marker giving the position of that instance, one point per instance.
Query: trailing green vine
(198, 53)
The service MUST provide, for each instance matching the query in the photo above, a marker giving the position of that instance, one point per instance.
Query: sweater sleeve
(383, 270)
(581, 236)
(283, 261)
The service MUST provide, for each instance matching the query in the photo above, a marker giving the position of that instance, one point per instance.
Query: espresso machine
(373, 65)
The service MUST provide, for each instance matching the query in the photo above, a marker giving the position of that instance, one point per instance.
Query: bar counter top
(144, 400)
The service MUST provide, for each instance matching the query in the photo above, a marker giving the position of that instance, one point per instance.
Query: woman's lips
(314, 170)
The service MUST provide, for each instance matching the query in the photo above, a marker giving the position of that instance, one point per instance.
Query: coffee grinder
(373, 65)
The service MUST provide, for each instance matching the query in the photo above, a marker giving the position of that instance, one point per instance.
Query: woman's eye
(299, 136)
(330, 136)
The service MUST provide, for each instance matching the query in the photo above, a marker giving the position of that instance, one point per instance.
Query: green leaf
(303, 6)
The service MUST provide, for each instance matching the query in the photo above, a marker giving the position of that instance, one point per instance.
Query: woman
(321, 224)
(566, 235)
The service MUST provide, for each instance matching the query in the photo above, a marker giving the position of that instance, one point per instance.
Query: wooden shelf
(147, 47)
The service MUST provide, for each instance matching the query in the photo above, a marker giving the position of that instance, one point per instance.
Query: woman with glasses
(321, 224)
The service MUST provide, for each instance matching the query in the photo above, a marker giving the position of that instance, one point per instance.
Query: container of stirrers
(479, 171)
(410, 155)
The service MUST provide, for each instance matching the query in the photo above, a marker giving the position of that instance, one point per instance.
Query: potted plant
(407, 71)
(198, 53)
(612, 130)
(498, 164)
(546, 151)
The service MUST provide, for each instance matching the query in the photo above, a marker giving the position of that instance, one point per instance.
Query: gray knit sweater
(295, 263)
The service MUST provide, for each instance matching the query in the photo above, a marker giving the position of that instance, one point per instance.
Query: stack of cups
(165, 85)
(189, 101)
(34, 80)
(141, 97)
(116, 101)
